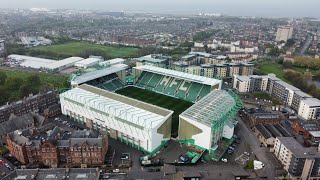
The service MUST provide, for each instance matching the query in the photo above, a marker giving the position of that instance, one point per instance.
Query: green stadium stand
(162, 84)
(193, 92)
(155, 80)
(141, 77)
(204, 91)
(173, 86)
(117, 83)
(146, 78)
(183, 89)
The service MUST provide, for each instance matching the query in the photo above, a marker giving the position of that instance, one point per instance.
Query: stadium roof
(126, 110)
(180, 75)
(97, 74)
(210, 108)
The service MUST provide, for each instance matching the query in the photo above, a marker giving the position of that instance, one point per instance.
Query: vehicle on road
(116, 170)
(224, 160)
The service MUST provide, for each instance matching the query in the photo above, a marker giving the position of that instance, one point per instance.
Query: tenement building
(53, 148)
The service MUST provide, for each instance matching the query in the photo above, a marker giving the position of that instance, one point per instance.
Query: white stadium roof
(210, 108)
(127, 110)
(180, 75)
(97, 74)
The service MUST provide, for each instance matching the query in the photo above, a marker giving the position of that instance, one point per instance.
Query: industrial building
(91, 61)
(113, 62)
(300, 162)
(41, 63)
(153, 59)
(141, 125)
(209, 117)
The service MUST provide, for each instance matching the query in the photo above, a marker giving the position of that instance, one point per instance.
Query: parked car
(184, 158)
(224, 160)
(246, 153)
(116, 170)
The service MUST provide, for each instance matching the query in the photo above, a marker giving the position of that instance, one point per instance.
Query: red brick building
(52, 148)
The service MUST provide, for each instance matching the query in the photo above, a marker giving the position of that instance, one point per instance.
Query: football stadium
(153, 106)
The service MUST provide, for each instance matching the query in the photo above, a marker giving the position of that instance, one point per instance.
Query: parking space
(242, 159)
(6, 166)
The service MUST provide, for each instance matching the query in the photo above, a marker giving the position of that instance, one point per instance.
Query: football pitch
(167, 102)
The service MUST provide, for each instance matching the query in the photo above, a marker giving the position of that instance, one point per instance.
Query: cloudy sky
(278, 8)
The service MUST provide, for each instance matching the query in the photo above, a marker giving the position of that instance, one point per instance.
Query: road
(306, 45)
(2, 167)
(254, 144)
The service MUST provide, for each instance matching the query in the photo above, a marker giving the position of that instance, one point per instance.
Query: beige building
(309, 108)
(300, 162)
(284, 33)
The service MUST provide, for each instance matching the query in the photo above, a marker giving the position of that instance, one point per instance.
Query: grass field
(273, 68)
(174, 104)
(76, 48)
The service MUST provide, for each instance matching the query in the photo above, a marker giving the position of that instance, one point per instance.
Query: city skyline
(273, 8)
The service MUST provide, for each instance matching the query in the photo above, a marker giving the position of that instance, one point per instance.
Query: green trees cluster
(299, 81)
(204, 35)
(13, 88)
(311, 63)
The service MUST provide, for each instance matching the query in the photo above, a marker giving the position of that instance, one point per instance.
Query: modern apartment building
(300, 162)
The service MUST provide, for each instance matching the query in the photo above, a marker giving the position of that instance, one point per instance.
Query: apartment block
(300, 162)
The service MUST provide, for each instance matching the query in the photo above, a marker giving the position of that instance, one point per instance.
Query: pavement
(4, 168)
(259, 152)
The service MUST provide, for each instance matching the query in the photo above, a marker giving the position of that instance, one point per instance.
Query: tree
(14, 83)
(34, 80)
(3, 78)
(25, 90)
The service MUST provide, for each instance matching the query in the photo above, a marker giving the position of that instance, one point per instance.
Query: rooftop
(128, 110)
(180, 75)
(312, 102)
(297, 149)
(97, 74)
(210, 108)
(63, 62)
(155, 58)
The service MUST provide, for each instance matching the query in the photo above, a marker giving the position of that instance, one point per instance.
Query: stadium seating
(173, 86)
(183, 89)
(190, 91)
(193, 92)
(204, 91)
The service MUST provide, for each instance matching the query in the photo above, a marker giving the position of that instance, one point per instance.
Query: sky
(270, 8)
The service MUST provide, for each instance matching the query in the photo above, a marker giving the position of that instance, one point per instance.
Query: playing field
(78, 48)
(174, 104)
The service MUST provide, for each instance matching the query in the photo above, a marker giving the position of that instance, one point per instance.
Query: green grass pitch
(167, 102)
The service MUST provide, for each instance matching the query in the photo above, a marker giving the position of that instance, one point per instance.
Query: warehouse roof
(63, 62)
(125, 110)
(88, 61)
(210, 108)
(98, 73)
(180, 75)
(154, 58)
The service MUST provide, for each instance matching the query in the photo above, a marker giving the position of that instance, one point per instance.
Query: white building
(241, 83)
(139, 124)
(199, 44)
(203, 124)
(2, 44)
(309, 108)
(91, 61)
(113, 61)
(284, 33)
(62, 64)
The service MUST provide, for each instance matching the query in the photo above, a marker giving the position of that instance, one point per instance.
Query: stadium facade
(141, 125)
(144, 126)
(209, 120)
